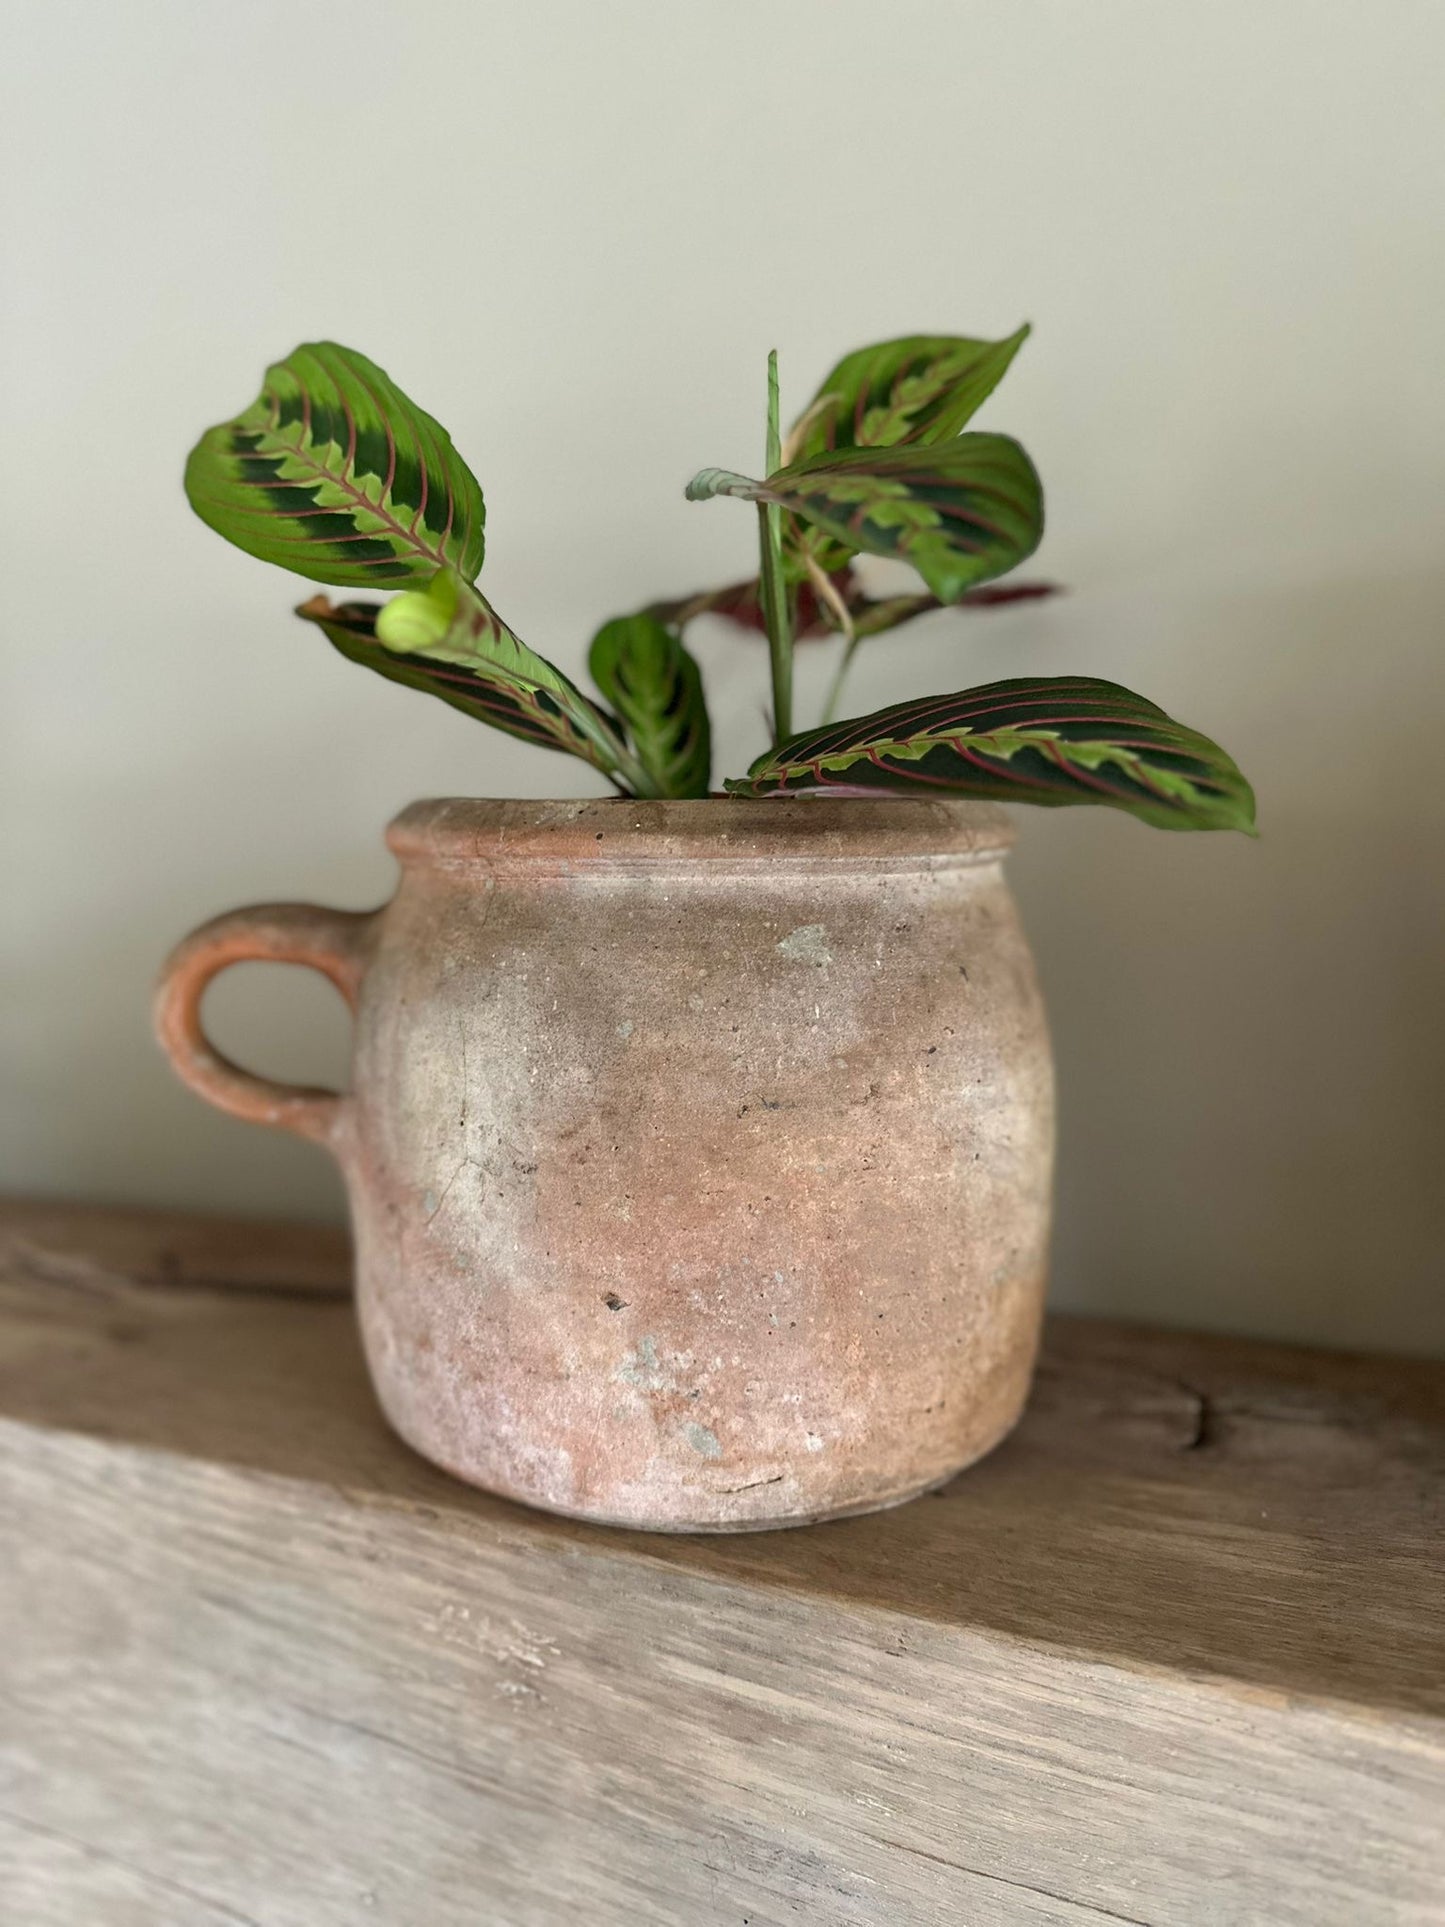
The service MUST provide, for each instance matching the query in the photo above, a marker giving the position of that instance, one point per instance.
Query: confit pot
(699, 1153)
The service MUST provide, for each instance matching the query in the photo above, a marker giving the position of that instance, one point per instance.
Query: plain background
(573, 230)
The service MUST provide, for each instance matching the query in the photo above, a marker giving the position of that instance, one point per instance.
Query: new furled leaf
(334, 474)
(651, 680)
(960, 512)
(917, 389)
(1050, 740)
(451, 643)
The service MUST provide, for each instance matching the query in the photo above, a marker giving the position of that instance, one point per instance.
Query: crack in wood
(1087, 1909)
(1205, 1428)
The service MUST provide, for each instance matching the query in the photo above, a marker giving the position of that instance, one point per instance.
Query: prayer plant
(335, 474)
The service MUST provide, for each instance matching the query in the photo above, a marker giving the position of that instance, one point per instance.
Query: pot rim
(623, 833)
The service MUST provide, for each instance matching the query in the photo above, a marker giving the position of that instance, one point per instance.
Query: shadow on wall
(1250, 1043)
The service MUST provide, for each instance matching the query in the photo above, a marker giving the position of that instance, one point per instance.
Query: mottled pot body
(698, 1152)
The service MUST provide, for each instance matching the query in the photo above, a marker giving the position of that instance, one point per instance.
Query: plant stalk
(629, 776)
(777, 609)
(624, 771)
(835, 688)
(828, 595)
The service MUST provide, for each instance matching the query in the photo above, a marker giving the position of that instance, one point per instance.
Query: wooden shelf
(1174, 1654)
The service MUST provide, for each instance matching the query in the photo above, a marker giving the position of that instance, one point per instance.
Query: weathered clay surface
(699, 1154)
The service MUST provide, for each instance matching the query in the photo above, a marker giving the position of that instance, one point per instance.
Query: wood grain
(1173, 1655)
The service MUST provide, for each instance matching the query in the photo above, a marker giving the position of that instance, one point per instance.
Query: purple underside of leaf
(740, 604)
(532, 716)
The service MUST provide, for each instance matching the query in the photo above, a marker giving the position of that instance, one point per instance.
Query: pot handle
(331, 941)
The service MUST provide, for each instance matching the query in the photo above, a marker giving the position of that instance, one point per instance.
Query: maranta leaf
(651, 680)
(919, 388)
(1049, 740)
(470, 659)
(334, 474)
(960, 512)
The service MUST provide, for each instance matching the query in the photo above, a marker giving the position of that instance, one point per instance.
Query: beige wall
(574, 230)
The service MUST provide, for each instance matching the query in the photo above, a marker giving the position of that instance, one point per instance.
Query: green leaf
(655, 686)
(911, 392)
(960, 512)
(472, 660)
(918, 389)
(333, 474)
(1049, 740)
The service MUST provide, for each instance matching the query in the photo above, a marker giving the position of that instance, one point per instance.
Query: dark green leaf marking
(960, 512)
(334, 474)
(650, 679)
(1050, 740)
(919, 388)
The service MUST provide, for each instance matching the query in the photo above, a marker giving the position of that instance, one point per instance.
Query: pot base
(683, 1527)
(765, 1525)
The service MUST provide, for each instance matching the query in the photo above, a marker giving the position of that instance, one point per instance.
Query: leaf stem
(827, 593)
(623, 770)
(835, 688)
(628, 776)
(777, 612)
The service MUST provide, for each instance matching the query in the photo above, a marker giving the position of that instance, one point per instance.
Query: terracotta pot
(698, 1152)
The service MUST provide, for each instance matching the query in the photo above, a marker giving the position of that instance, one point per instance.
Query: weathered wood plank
(114, 1248)
(1174, 1655)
